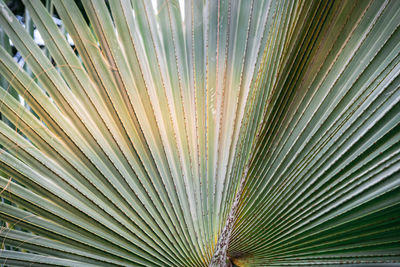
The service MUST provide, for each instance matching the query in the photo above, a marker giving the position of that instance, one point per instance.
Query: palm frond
(195, 133)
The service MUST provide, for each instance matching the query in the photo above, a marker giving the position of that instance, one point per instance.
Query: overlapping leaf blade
(179, 133)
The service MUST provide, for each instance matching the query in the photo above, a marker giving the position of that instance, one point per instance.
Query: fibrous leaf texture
(200, 133)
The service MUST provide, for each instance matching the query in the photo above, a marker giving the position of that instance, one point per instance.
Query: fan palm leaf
(200, 133)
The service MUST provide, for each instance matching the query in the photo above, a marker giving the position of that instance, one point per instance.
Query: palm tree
(200, 133)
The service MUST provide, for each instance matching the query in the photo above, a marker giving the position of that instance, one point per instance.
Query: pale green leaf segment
(131, 148)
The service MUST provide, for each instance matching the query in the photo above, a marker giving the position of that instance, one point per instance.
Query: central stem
(220, 254)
